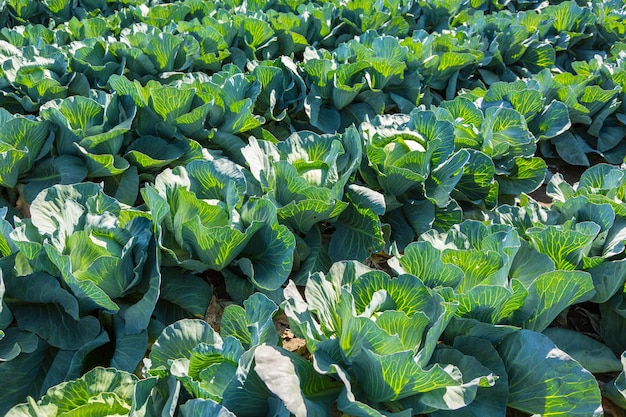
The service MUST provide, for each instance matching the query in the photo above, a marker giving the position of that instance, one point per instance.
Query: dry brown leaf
(213, 314)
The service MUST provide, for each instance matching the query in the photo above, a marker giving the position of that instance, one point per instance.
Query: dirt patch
(288, 338)
(612, 410)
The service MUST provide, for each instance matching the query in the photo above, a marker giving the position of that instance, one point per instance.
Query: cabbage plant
(306, 176)
(84, 276)
(203, 221)
(379, 337)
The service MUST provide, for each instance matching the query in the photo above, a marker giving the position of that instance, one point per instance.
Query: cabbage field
(314, 208)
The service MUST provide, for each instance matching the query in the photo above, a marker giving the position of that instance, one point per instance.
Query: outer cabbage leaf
(100, 392)
(200, 407)
(565, 244)
(194, 354)
(424, 261)
(150, 153)
(594, 356)
(182, 295)
(294, 381)
(358, 234)
(63, 169)
(267, 259)
(28, 371)
(556, 384)
(178, 340)
(550, 294)
(616, 389)
(38, 301)
(489, 400)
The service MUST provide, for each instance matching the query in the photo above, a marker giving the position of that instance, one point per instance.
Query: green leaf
(348, 83)
(268, 257)
(616, 389)
(566, 246)
(396, 376)
(21, 141)
(171, 102)
(491, 303)
(9, 160)
(151, 153)
(253, 325)
(240, 117)
(247, 395)
(317, 258)
(216, 246)
(304, 214)
(582, 209)
(75, 113)
(594, 356)
(505, 134)
(163, 49)
(601, 177)
(474, 376)
(473, 328)
(327, 119)
(571, 148)
(409, 329)
(130, 348)
(464, 110)
(551, 122)
(528, 264)
(608, 278)
(424, 261)
(27, 373)
(490, 400)
(366, 198)
(477, 184)
(204, 407)
(211, 368)
(407, 292)
(527, 102)
(147, 291)
(43, 302)
(15, 342)
(126, 186)
(178, 341)
(294, 381)
(552, 292)
(63, 169)
(86, 291)
(105, 165)
(99, 392)
(554, 384)
(185, 290)
(445, 177)
(219, 179)
(613, 323)
(478, 265)
(358, 234)
(539, 57)
(525, 176)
